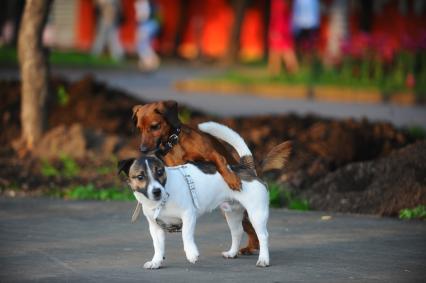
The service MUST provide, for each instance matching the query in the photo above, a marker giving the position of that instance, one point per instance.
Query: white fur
(212, 191)
(227, 135)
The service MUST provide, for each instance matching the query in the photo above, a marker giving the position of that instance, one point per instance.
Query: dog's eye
(160, 172)
(155, 127)
(140, 177)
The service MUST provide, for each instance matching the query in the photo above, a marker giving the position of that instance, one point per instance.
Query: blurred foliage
(89, 192)
(62, 96)
(419, 212)
(417, 132)
(405, 72)
(67, 167)
(8, 55)
(280, 196)
(185, 115)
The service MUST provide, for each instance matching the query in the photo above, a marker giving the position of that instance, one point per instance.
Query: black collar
(170, 143)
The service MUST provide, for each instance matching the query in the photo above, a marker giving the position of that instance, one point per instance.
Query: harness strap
(191, 185)
(162, 203)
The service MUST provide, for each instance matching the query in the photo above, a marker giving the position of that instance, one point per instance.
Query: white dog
(173, 197)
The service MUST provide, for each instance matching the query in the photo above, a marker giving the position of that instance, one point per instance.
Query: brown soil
(94, 127)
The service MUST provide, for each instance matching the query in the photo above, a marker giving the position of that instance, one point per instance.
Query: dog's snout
(156, 192)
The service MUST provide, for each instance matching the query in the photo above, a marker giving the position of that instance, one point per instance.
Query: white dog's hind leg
(188, 229)
(158, 237)
(234, 219)
(259, 220)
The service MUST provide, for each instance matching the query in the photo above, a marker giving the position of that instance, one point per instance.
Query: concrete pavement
(49, 240)
(159, 86)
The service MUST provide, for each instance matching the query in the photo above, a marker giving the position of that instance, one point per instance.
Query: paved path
(73, 241)
(159, 86)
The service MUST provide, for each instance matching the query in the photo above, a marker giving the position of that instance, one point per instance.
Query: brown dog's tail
(277, 158)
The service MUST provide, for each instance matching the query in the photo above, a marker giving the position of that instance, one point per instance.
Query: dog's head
(146, 175)
(155, 122)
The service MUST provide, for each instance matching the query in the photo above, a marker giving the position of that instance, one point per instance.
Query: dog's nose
(144, 149)
(156, 192)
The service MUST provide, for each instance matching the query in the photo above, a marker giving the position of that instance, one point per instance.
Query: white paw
(262, 262)
(192, 257)
(152, 264)
(229, 254)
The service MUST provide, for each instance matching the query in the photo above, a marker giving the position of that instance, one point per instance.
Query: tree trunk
(34, 71)
(234, 40)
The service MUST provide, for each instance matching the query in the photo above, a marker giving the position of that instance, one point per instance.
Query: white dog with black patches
(173, 197)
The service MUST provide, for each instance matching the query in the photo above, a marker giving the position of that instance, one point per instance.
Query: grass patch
(67, 167)
(89, 192)
(9, 56)
(417, 132)
(279, 196)
(419, 212)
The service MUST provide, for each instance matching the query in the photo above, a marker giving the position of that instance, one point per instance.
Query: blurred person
(110, 14)
(305, 23)
(148, 27)
(281, 45)
(337, 31)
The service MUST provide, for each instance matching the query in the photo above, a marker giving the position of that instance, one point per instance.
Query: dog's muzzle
(156, 193)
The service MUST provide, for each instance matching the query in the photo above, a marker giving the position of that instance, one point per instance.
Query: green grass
(364, 73)
(89, 192)
(67, 168)
(417, 132)
(419, 212)
(8, 55)
(279, 196)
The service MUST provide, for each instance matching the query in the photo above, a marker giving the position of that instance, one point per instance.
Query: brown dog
(162, 132)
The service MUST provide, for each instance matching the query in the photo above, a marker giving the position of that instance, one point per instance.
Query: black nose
(144, 149)
(156, 192)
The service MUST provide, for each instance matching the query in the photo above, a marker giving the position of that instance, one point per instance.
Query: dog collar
(171, 142)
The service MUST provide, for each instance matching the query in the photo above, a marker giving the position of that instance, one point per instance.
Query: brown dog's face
(155, 122)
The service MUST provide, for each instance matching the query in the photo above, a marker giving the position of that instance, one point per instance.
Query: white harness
(191, 187)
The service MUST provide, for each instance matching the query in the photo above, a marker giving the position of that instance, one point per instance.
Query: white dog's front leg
(188, 228)
(157, 234)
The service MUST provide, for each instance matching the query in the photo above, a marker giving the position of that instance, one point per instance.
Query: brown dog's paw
(247, 251)
(233, 181)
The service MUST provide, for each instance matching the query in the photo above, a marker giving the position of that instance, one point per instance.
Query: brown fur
(155, 122)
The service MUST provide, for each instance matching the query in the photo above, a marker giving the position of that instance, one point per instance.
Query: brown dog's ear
(124, 166)
(171, 113)
(135, 110)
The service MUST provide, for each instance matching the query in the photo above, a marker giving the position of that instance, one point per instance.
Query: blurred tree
(239, 7)
(34, 71)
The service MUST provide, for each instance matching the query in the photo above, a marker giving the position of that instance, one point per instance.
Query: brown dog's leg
(230, 177)
(253, 242)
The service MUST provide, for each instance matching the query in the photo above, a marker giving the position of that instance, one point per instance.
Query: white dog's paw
(230, 254)
(262, 262)
(152, 264)
(192, 256)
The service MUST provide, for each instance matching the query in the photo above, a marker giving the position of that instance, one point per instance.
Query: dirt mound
(384, 186)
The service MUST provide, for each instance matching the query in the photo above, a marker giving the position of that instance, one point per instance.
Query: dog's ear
(124, 166)
(171, 113)
(135, 110)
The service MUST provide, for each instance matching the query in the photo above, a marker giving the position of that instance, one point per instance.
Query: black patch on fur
(124, 166)
(205, 167)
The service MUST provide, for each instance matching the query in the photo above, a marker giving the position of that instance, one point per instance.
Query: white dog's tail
(275, 159)
(226, 134)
